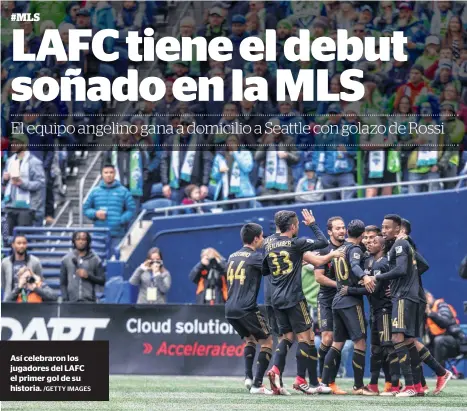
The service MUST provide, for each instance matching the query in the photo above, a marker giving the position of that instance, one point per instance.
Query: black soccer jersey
(378, 299)
(284, 258)
(349, 271)
(403, 273)
(267, 278)
(244, 274)
(326, 294)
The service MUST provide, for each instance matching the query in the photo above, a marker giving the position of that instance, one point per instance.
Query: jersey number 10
(238, 275)
(341, 268)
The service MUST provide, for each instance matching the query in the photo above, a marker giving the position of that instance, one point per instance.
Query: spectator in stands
(278, 154)
(18, 259)
(81, 271)
(153, 279)
(192, 196)
(183, 163)
(309, 183)
(24, 179)
(30, 288)
(443, 329)
(110, 205)
(210, 276)
(230, 173)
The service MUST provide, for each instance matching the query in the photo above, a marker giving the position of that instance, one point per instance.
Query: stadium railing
(82, 181)
(126, 240)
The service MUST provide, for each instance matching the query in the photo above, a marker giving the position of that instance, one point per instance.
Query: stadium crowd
(193, 169)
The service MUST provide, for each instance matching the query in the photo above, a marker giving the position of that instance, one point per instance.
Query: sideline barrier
(143, 339)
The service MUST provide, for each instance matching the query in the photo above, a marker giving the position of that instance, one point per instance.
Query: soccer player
(348, 311)
(371, 231)
(405, 285)
(326, 278)
(443, 375)
(241, 310)
(284, 260)
(380, 314)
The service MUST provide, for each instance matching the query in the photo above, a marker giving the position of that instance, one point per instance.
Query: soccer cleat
(301, 385)
(373, 388)
(441, 382)
(391, 393)
(248, 383)
(425, 389)
(387, 387)
(275, 380)
(408, 391)
(363, 391)
(260, 390)
(336, 390)
(283, 391)
(321, 389)
(419, 390)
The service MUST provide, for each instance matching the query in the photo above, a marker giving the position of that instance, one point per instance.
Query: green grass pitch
(221, 394)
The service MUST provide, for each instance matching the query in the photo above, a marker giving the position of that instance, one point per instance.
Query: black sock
(281, 354)
(336, 370)
(422, 376)
(313, 364)
(376, 360)
(302, 359)
(264, 357)
(386, 371)
(323, 350)
(403, 354)
(249, 355)
(329, 370)
(429, 360)
(414, 363)
(358, 363)
(394, 367)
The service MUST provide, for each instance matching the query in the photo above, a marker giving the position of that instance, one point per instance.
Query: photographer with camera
(30, 289)
(443, 329)
(210, 275)
(81, 272)
(153, 279)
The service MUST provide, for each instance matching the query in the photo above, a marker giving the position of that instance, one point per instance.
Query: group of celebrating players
(356, 261)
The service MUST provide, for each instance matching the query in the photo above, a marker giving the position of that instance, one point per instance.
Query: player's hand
(369, 283)
(308, 217)
(401, 236)
(344, 290)
(387, 293)
(340, 252)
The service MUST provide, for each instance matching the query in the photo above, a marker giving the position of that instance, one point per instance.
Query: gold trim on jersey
(306, 314)
(360, 318)
(400, 314)
(261, 322)
(319, 315)
(386, 322)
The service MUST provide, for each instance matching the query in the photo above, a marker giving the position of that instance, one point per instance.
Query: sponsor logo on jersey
(356, 256)
(398, 249)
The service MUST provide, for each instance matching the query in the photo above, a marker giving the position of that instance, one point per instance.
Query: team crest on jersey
(399, 249)
(356, 256)
(309, 240)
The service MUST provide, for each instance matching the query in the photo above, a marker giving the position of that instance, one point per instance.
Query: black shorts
(405, 318)
(381, 328)
(253, 324)
(325, 321)
(387, 177)
(421, 319)
(272, 321)
(294, 319)
(349, 323)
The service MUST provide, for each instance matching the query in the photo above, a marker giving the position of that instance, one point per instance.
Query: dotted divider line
(91, 145)
(215, 115)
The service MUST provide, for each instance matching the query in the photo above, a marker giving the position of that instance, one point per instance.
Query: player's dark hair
(108, 165)
(373, 228)
(355, 228)
(394, 217)
(381, 240)
(249, 232)
(406, 226)
(88, 239)
(284, 220)
(331, 220)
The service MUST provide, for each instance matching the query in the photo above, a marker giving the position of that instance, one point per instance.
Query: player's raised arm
(402, 261)
(321, 241)
(422, 264)
(321, 279)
